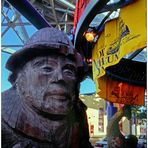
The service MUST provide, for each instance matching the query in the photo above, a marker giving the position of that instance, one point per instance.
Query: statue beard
(45, 104)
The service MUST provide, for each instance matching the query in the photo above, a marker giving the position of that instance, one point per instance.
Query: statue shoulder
(9, 93)
(10, 106)
(8, 136)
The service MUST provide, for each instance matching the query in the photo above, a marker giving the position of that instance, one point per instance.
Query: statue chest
(57, 136)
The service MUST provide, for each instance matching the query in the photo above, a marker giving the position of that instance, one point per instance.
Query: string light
(90, 34)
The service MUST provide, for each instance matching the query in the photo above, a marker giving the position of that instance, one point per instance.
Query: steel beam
(66, 3)
(60, 9)
(9, 46)
(8, 50)
(17, 24)
(29, 12)
(54, 14)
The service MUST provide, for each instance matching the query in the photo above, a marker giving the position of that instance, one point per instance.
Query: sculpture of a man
(42, 109)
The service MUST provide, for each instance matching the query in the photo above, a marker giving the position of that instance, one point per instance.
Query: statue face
(48, 84)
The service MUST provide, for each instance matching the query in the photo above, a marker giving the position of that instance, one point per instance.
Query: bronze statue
(42, 109)
(115, 138)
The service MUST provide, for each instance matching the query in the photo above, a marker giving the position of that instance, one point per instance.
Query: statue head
(47, 72)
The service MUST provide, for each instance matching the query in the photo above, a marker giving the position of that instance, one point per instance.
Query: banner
(97, 61)
(120, 37)
(121, 92)
(80, 6)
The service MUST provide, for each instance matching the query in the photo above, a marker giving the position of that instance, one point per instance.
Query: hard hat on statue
(44, 42)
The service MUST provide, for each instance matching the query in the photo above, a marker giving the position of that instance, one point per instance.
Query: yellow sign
(120, 36)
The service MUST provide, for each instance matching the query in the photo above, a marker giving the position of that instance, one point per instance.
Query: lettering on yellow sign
(102, 61)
